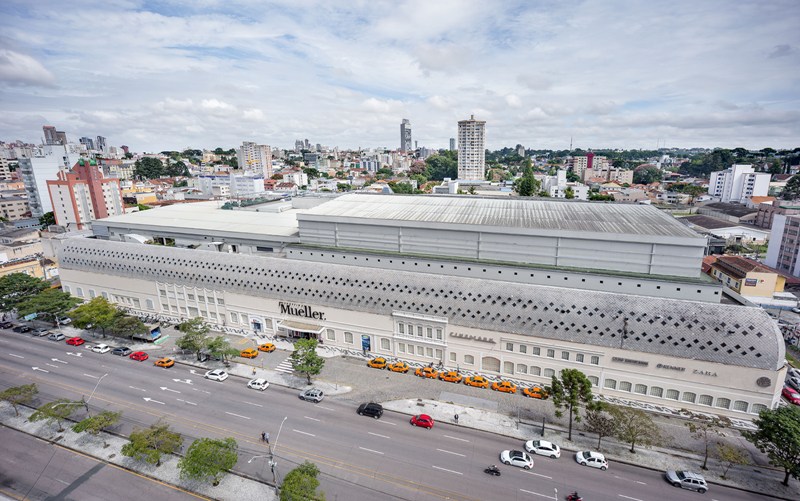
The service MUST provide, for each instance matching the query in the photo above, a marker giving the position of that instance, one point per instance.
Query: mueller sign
(300, 310)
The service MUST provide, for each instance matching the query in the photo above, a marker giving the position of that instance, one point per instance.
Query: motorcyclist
(574, 496)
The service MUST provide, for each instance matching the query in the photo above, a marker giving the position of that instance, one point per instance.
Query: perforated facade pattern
(718, 333)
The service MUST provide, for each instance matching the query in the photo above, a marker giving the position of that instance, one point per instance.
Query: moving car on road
(451, 377)
(312, 395)
(426, 372)
(216, 375)
(517, 458)
(504, 387)
(370, 409)
(266, 347)
(593, 459)
(139, 356)
(687, 480)
(165, 362)
(56, 336)
(249, 353)
(75, 341)
(535, 392)
(476, 381)
(377, 363)
(258, 384)
(543, 448)
(122, 351)
(398, 367)
(101, 348)
(422, 420)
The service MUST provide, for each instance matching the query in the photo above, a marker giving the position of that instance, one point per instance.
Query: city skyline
(169, 75)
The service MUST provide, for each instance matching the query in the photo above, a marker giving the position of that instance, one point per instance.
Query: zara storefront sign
(300, 310)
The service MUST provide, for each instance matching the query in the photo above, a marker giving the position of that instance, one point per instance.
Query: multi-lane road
(359, 457)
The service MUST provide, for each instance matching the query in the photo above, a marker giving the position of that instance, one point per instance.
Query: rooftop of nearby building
(736, 210)
(708, 222)
(739, 266)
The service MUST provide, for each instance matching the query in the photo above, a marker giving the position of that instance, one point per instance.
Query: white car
(794, 382)
(312, 395)
(593, 459)
(101, 348)
(216, 375)
(517, 458)
(543, 448)
(258, 384)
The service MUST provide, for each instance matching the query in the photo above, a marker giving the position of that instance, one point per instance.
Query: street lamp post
(272, 462)
(83, 402)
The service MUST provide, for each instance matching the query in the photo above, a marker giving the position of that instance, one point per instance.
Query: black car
(21, 328)
(122, 351)
(371, 409)
(6, 325)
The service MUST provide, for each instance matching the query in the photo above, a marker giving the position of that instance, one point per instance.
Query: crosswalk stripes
(285, 366)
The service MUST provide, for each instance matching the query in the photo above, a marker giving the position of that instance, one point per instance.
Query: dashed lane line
(370, 450)
(451, 452)
(448, 471)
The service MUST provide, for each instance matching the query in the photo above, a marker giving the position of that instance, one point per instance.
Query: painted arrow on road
(185, 401)
(187, 381)
(135, 388)
(13, 355)
(146, 399)
(164, 388)
(204, 391)
(74, 354)
(60, 361)
(38, 369)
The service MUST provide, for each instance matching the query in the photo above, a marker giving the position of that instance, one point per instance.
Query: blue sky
(206, 73)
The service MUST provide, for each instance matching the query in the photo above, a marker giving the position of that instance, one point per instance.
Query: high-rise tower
(405, 136)
(471, 149)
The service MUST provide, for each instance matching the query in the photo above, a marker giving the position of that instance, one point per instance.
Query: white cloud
(21, 69)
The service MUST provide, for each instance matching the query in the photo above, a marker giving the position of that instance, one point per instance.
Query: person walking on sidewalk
(266, 438)
(263, 436)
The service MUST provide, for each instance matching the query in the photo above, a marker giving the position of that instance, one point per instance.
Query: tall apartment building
(256, 158)
(5, 169)
(43, 165)
(83, 195)
(471, 149)
(738, 183)
(405, 135)
(88, 142)
(100, 144)
(452, 144)
(784, 244)
(50, 134)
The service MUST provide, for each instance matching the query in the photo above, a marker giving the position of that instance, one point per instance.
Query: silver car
(312, 394)
(687, 480)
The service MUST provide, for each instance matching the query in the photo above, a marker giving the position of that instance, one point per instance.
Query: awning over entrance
(298, 327)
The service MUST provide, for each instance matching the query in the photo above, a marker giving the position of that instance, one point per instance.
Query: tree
(95, 424)
(218, 346)
(304, 358)
(569, 193)
(693, 190)
(568, 392)
(55, 412)
(599, 420)
(194, 335)
(704, 429)
(647, 174)
(151, 443)
(527, 185)
(19, 395)
(792, 189)
(729, 455)
(442, 165)
(778, 435)
(98, 313)
(148, 168)
(127, 326)
(50, 304)
(311, 172)
(634, 426)
(17, 287)
(302, 483)
(48, 219)
(209, 458)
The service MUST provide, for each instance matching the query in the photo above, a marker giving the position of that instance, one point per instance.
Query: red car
(422, 420)
(75, 341)
(791, 395)
(139, 356)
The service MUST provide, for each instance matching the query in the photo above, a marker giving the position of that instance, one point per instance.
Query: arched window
(757, 408)
(688, 396)
(549, 373)
(469, 359)
(522, 369)
(673, 394)
(655, 391)
(640, 389)
(595, 380)
(490, 364)
(705, 400)
(724, 403)
(508, 367)
(536, 371)
(610, 383)
(740, 405)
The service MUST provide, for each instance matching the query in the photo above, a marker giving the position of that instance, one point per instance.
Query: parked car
(477, 381)
(427, 372)
(398, 367)
(139, 356)
(312, 395)
(258, 384)
(422, 420)
(75, 341)
(65, 321)
(6, 325)
(791, 395)
(267, 347)
(593, 459)
(535, 392)
(249, 353)
(21, 328)
(216, 375)
(543, 448)
(504, 387)
(377, 363)
(687, 480)
(795, 310)
(370, 409)
(40, 332)
(165, 362)
(451, 377)
(794, 382)
(517, 458)
(122, 351)
(101, 348)
(56, 336)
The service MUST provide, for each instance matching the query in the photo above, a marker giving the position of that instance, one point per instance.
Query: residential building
(557, 186)
(50, 135)
(405, 136)
(255, 158)
(735, 213)
(14, 208)
(738, 183)
(452, 144)
(297, 177)
(5, 168)
(767, 211)
(784, 244)
(100, 144)
(45, 164)
(88, 142)
(747, 277)
(83, 194)
(246, 186)
(733, 233)
(471, 149)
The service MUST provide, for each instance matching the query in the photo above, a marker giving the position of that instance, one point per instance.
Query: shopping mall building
(510, 288)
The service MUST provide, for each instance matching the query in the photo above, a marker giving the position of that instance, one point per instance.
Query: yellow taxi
(377, 363)
(398, 367)
(164, 362)
(249, 353)
(268, 347)
(504, 387)
(476, 381)
(535, 392)
(451, 377)
(427, 372)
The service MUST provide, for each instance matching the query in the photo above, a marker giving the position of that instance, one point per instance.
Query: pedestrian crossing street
(285, 366)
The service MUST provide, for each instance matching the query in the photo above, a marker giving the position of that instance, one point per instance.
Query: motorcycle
(574, 497)
(492, 470)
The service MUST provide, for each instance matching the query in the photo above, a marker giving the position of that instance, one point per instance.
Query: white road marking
(450, 452)
(204, 391)
(538, 474)
(456, 438)
(640, 482)
(164, 388)
(187, 381)
(17, 356)
(59, 480)
(186, 401)
(378, 435)
(628, 497)
(321, 407)
(148, 399)
(306, 433)
(448, 471)
(135, 388)
(537, 494)
(387, 422)
(74, 354)
(51, 365)
(311, 418)
(369, 450)
(251, 403)
(237, 415)
(38, 369)
(59, 361)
